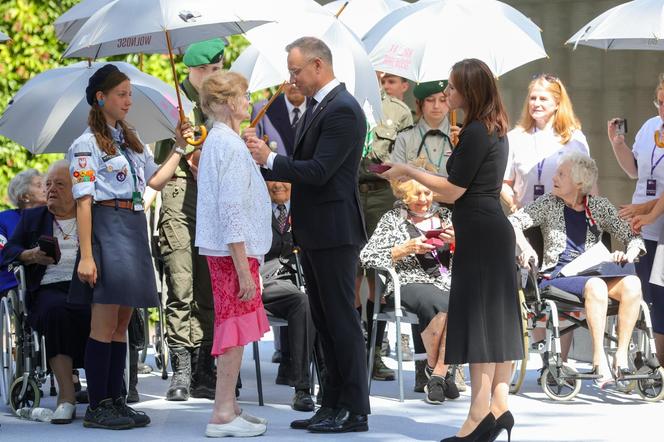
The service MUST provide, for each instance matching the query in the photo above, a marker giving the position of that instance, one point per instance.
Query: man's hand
(249, 132)
(35, 256)
(259, 150)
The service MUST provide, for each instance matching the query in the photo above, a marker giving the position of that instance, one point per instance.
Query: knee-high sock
(380, 328)
(116, 371)
(97, 366)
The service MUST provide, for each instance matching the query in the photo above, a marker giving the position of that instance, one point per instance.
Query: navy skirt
(125, 275)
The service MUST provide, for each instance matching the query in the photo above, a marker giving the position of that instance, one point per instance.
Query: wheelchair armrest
(18, 269)
(392, 273)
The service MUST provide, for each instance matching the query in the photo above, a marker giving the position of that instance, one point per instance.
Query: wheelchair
(561, 381)
(24, 367)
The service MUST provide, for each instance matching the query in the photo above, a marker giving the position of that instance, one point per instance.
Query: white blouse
(646, 156)
(233, 203)
(67, 236)
(533, 159)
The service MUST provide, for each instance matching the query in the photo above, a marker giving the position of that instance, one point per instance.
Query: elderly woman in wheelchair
(65, 326)
(414, 239)
(572, 221)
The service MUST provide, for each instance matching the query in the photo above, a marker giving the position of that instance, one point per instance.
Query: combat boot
(181, 380)
(205, 374)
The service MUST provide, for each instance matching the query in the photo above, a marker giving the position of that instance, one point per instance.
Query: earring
(101, 103)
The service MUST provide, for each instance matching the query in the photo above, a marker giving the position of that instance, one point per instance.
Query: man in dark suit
(280, 120)
(284, 299)
(328, 226)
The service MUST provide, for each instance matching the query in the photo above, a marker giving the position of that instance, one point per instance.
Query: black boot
(181, 380)
(205, 374)
(132, 393)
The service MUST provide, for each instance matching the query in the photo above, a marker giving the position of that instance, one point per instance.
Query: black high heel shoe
(504, 422)
(481, 433)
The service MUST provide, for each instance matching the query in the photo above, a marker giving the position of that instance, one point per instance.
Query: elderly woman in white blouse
(233, 230)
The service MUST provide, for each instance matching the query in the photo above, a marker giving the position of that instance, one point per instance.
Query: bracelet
(179, 150)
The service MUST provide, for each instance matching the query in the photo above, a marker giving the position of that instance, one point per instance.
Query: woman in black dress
(484, 328)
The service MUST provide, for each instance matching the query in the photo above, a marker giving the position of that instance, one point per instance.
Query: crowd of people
(301, 190)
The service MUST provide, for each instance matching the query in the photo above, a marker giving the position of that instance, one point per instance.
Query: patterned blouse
(547, 212)
(392, 230)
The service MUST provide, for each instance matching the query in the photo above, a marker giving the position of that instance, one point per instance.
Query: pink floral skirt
(236, 323)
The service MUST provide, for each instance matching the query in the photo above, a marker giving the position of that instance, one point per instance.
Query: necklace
(68, 234)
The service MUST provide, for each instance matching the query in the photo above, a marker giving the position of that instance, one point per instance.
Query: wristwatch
(179, 150)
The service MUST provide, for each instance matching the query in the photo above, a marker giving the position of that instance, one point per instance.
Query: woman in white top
(233, 228)
(548, 128)
(643, 162)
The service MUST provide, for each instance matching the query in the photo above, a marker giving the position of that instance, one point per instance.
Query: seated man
(283, 299)
(65, 326)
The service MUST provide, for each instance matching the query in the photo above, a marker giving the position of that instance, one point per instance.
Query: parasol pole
(260, 114)
(453, 122)
(183, 118)
(341, 10)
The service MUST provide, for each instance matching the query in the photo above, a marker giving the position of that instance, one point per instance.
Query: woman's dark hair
(98, 124)
(474, 80)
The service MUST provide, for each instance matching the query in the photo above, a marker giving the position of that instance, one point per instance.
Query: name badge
(651, 187)
(105, 158)
(137, 200)
(538, 190)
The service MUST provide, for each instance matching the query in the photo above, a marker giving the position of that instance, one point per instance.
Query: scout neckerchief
(590, 221)
(136, 196)
(424, 135)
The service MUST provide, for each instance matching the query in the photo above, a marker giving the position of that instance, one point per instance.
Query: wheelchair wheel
(30, 399)
(559, 389)
(7, 346)
(652, 390)
(519, 367)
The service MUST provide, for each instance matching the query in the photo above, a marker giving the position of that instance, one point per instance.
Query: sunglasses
(548, 77)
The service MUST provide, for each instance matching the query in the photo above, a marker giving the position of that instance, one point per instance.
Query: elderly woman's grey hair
(583, 170)
(60, 164)
(311, 48)
(20, 185)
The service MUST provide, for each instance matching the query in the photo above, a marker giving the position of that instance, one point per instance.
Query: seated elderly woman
(400, 241)
(25, 190)
(572, 221)
(65, 326)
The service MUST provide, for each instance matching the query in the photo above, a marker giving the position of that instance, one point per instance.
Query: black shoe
(139, 418)
(276, 357)
(504, 422)
(181, 379)
(283, 374)
(481, 433)
(451, 389)
(82, 397)
(132, 395)
(203, 373)
(302, 401)
(420, 377)
(321, 414)
(106, 416)
(342, 422)
(435, 390)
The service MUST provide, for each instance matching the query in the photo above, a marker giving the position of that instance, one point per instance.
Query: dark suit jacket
(33, 224)
(276, 124)
(325, 201)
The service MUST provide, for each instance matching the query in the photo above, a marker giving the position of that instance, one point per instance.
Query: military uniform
(375, 193)
(189, 305)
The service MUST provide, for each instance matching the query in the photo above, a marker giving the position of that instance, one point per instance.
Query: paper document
(591, 257)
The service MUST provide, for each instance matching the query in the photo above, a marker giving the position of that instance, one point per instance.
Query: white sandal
(238, 427)
(65, 413)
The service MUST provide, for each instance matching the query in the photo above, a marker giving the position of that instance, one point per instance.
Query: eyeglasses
(296, 72)
(657, 104)
(247, 95)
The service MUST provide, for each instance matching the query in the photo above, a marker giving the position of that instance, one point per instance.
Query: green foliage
(34, 49)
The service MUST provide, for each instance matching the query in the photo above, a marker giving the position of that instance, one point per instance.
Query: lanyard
(652, 158)
(540, 165)
(590, 221)
(426, 149)
(131, 168)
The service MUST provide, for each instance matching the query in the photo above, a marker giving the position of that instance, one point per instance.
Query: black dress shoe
(321, 414)
(302, 401)
(343, 421)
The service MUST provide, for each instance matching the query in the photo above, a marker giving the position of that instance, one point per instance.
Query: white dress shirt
(290, 107)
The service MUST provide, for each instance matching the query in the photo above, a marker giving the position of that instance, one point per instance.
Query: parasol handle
(341, 10)
(202, 129)
(260, 114)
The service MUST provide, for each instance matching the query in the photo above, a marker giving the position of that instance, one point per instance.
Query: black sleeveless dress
(484, 323)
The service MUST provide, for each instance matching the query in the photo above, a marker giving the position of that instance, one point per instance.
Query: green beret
(423, 90)
(204, 52)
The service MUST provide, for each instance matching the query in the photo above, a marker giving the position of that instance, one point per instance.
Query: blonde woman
(548, 128)
(234, 231)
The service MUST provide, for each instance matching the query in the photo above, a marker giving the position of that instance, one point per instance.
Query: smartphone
(621, 126)
(378, 168)
(50, 246)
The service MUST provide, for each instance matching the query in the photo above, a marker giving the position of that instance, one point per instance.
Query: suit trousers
(189, 306)
(330, 278)
(284, 299)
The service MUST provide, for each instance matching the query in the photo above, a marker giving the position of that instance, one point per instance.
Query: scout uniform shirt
(435, 149)
(163, 148)
(380, 141)
(108, 177)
